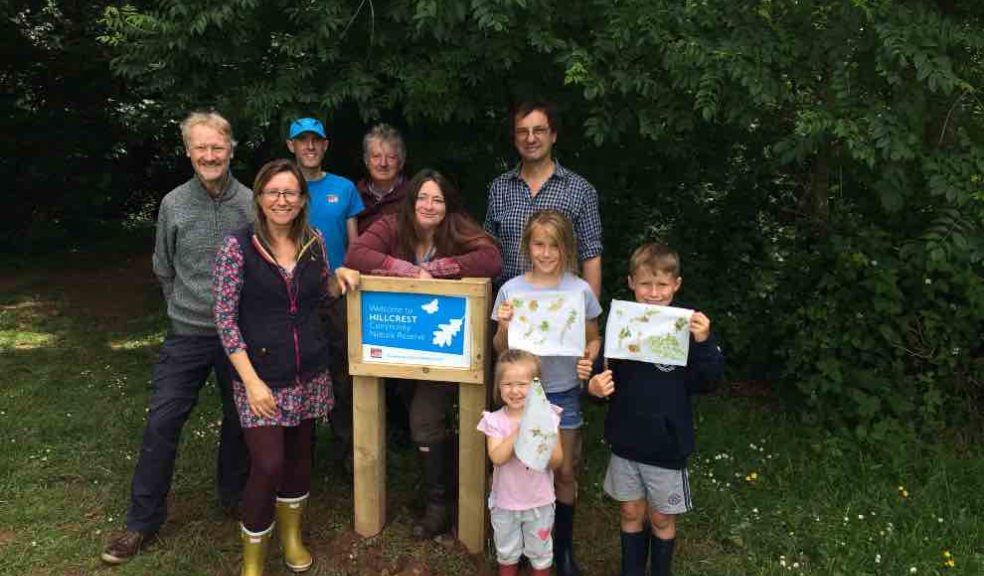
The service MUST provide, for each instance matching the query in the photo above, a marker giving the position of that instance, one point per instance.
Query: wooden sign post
(420, 330)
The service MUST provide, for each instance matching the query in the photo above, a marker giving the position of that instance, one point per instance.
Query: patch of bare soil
(110, 292)
(6, 537)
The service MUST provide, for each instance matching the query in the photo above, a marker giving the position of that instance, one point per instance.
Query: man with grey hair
(384, 154)
(193, 220)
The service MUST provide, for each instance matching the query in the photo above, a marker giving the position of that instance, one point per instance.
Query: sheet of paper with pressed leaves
(648, 333)
(548, 323)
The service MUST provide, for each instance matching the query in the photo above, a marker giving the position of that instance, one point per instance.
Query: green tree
(818, 163)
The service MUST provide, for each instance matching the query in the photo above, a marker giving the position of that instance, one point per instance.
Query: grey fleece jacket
(191, 226)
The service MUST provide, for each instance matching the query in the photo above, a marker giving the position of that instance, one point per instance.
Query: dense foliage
(820, 164)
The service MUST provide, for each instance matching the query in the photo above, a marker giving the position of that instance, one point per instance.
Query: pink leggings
(280, 465)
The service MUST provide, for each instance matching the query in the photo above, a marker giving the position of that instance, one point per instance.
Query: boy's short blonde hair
(656, 256)
(559, 227)
(514, 356)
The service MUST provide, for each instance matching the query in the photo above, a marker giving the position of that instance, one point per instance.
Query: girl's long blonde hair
(560, 229)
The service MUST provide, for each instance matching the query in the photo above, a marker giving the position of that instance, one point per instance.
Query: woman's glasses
(289, 195)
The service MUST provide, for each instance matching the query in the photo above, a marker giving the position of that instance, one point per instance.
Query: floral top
(227, 283)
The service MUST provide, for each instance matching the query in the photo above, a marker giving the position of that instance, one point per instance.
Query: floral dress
(312, 398)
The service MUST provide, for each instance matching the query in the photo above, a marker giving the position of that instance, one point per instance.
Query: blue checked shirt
(511, 204)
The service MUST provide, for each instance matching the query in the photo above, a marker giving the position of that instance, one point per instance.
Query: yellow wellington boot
(290, 513)
(255, 546)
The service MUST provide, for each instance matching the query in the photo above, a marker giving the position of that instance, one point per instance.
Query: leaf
(445, 333)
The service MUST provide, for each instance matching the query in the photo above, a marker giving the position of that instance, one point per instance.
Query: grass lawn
(772, 497)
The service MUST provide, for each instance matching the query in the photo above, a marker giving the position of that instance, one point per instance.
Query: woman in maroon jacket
(431, 236)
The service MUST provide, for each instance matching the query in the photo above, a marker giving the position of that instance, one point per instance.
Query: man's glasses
(537, 131)
(289, 195)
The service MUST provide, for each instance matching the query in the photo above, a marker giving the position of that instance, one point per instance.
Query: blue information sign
(415, 329)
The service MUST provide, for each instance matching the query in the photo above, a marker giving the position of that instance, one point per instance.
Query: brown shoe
(127, 545)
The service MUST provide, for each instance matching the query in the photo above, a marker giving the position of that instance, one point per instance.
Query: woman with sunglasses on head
(269, 279)
(430, 236)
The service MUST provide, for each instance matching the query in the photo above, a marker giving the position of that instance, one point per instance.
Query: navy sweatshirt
(650, 418)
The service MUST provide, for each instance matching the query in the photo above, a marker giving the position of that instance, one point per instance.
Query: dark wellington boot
(563, 536)
(437, 515)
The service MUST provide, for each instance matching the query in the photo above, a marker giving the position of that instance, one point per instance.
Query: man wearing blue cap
(335, 203)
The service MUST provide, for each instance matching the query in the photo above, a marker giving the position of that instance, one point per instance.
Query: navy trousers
(178, 376)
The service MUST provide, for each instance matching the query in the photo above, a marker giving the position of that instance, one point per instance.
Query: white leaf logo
(431, 307)
(445, 333)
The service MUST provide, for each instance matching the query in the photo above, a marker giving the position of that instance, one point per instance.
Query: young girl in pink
(550, 250)
(521, 502)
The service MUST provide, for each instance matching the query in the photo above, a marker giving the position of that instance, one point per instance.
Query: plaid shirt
(511, 204)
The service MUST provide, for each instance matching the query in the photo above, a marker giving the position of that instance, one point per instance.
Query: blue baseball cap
(302, 125)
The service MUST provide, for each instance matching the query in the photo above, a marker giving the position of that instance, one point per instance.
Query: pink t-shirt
(514, 486)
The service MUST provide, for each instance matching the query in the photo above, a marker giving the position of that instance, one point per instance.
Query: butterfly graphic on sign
(431, 307)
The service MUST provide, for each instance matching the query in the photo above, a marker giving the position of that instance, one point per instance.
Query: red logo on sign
(375, 352)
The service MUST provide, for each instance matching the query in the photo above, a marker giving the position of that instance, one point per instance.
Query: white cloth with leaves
(538, 429)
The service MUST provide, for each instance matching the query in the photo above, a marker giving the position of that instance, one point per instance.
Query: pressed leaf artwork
(624, 333)
(537, 429)
(551, 324)
(648, 333)
(571, 320)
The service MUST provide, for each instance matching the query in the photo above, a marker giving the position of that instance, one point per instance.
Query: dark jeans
(333, 315)
(178, 376)
(429, 412)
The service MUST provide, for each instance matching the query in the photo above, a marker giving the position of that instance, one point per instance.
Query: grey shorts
(523, 532)
(667, 491)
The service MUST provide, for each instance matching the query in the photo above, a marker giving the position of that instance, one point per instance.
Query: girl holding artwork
(548, 247)
(522, 498)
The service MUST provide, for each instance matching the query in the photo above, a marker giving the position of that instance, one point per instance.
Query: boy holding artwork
(649, 425)
(548, 247)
